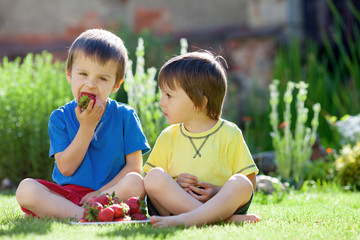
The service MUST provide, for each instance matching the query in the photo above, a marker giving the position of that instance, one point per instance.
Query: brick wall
(244, 32)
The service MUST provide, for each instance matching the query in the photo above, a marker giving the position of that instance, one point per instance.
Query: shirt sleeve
(241, 159)
(159, 155)
(135, 139)
(58, 134)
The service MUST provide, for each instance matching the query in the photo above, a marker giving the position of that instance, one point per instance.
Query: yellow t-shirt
(212, 156)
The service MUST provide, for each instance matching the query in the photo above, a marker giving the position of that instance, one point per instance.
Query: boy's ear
(204, 103)
(117, 86)
(68, 75)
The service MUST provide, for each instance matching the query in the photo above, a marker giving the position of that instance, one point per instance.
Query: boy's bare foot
(248, 218)
(168, 221)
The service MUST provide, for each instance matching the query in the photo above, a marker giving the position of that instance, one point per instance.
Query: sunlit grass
(314, 214)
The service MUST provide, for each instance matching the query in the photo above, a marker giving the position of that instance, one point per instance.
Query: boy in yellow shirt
(200, 170)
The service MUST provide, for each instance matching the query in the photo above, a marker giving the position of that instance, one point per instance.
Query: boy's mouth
(90, 95)
(85, 98)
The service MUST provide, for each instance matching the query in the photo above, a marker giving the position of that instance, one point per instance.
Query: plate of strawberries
(108, 209)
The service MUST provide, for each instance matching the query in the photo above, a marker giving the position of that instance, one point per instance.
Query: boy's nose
(161, 103)
(91, 83)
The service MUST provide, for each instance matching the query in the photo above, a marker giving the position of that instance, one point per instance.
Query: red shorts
(73, 193)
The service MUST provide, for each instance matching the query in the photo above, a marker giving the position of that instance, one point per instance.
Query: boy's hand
(204, 192)
(91, 116)
(186, 180)
(88, 196)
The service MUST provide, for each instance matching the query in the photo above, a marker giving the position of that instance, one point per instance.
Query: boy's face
(176, 106)
(88, 75)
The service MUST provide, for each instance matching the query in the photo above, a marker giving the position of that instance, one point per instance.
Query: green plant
(331, 69)
(29, 91)
(320, 170)
(348, 166)
(292, 143)
(143, 95)
(348, 128)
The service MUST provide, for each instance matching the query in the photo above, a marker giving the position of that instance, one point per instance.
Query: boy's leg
(40, 200)
(132, 185)
(235, 193)
(166, 195)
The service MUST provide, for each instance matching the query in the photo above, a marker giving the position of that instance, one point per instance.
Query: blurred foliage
(144, 96)
(320, 171)
(292, 140)
(331, 70)
(29, 91)
(348, 166)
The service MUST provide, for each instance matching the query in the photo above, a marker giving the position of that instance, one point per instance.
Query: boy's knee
(134, 180)
(25, 189)
(134, 176)
(154, 178)
(242, 184)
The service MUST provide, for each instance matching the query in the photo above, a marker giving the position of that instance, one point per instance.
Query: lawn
(316, 214)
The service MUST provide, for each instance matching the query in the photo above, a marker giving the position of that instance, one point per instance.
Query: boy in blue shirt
(97, 149)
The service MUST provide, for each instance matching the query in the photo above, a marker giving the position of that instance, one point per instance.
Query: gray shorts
(241, 211)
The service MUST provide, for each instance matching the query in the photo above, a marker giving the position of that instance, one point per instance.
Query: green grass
(330, 214)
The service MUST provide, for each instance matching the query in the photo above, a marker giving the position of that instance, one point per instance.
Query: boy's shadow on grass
(141, 231)
(24, 226)
(147, 231)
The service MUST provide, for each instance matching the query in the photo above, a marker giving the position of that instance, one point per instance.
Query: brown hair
(199, 74)
(101, 45)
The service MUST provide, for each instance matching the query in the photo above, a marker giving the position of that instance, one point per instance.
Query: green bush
(29, 91)
(348, 166)
(320, 171)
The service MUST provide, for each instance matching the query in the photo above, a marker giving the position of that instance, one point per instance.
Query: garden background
(293, 75)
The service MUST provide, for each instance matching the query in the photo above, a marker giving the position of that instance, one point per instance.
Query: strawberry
(104, 199)
(92, 210)
(138, 216)
(106, 215)
(123, 219)
(83, 220)
(120, 210)
(116, 200)
(84, 100)
(136, 205)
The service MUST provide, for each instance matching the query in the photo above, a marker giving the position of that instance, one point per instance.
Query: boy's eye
(168, 95)
(83, 74)
(102, 79)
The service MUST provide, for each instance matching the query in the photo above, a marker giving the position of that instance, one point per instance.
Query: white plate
(104, 223)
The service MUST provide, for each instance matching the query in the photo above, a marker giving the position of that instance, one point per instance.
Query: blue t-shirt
(117, 134)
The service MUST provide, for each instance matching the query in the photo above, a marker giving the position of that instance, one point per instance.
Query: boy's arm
(133, 164)
(252, 178)
(70, 159)
(208, 190)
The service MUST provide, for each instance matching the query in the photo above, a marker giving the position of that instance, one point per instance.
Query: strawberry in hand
(84, 100)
